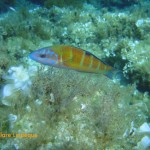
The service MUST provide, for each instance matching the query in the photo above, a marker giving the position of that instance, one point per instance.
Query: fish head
(45, 56)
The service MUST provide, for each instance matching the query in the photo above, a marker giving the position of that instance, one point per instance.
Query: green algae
(100, 124)
(71, 110)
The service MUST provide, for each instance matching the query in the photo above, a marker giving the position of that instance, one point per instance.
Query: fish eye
(42, 55)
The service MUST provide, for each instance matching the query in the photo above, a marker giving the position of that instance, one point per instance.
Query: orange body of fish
(70, 57)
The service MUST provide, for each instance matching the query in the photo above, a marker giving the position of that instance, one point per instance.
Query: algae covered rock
(66, 109)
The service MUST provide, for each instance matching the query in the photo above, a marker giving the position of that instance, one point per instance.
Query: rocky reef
(45, 108)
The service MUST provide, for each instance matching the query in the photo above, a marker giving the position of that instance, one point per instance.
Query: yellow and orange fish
(64, 56)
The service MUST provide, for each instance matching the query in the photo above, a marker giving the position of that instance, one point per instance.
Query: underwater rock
(144, 128)
(8, 90)
(12, 119)
(144, 144)
(7, 102)
(38, 102)
(68, 109)
(28, 108)
(52, 99)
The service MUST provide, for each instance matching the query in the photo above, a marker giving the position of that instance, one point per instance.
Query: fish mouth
(33, 56)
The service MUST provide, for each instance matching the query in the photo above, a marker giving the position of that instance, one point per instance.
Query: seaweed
(76, 110)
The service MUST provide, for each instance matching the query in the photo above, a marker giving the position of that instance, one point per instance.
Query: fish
(70, 57)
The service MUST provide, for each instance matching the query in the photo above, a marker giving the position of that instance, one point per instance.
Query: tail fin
(117, 75)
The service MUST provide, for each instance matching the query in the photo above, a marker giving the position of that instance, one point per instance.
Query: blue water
(5, 4)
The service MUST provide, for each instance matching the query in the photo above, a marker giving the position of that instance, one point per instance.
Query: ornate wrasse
(63, 56)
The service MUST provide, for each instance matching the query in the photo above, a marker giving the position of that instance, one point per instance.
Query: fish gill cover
(42, 107)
